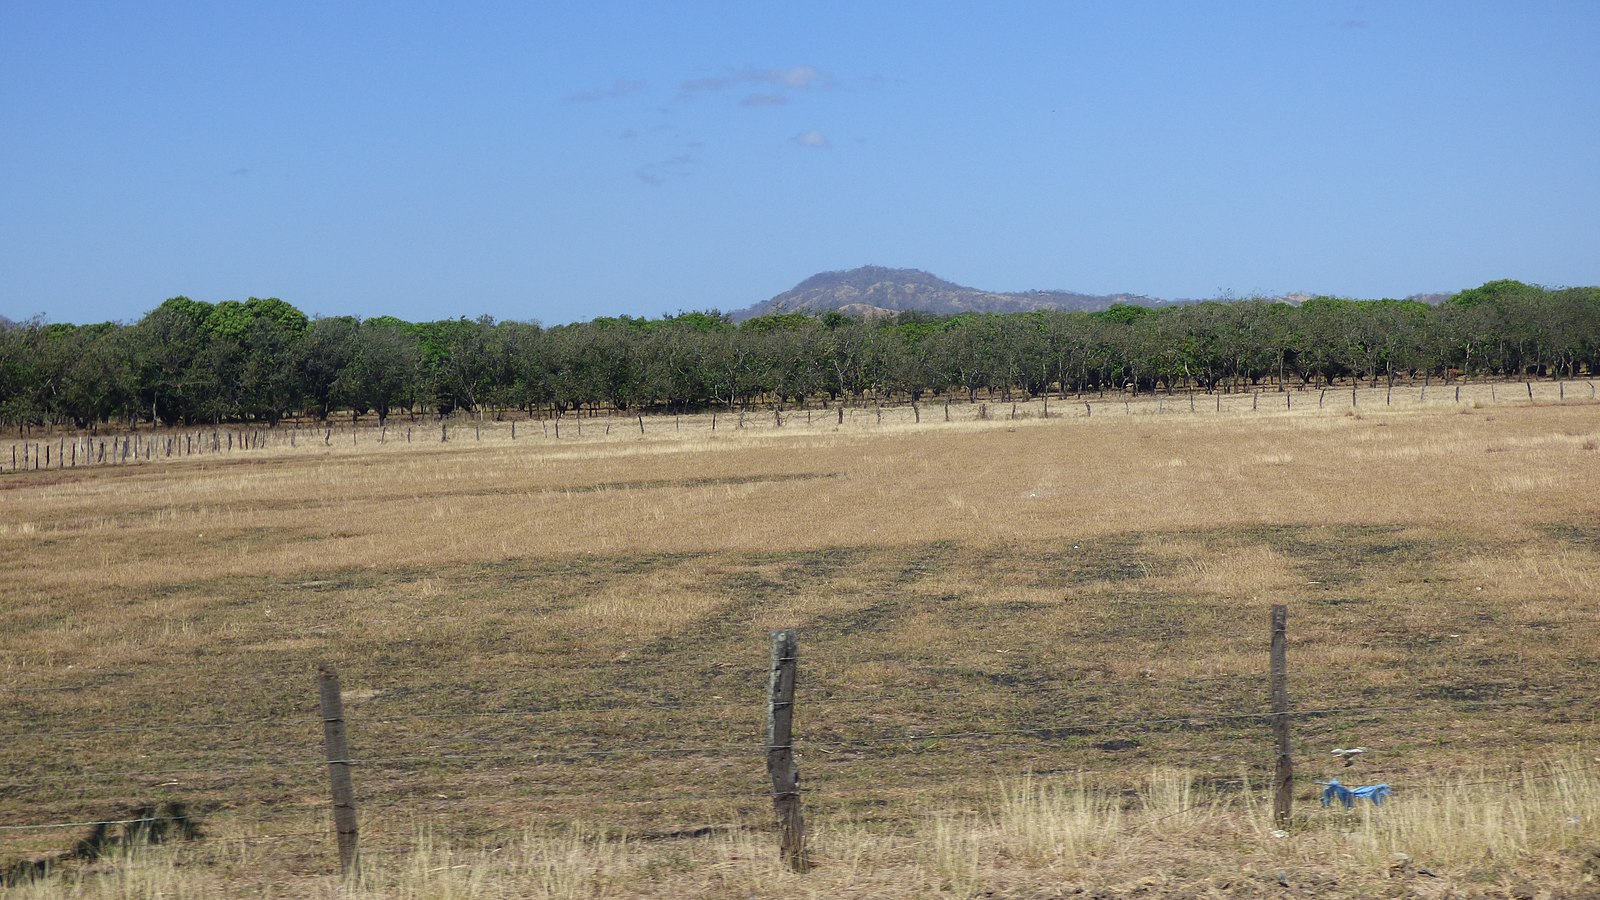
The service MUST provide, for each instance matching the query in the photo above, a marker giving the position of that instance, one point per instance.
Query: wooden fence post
(338, 750)
(1283, 774)
(780, 750)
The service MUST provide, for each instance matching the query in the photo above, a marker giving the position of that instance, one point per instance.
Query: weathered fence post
(780, 750)
(1283, 774)
(338, 750)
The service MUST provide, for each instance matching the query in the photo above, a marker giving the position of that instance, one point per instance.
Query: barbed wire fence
(561, 754)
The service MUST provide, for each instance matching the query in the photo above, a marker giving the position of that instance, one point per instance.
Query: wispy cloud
(1354, 19)
(813, 138)
(799, 76)
(658, 173)
(764, 100)
(792, 78)
(622, 87)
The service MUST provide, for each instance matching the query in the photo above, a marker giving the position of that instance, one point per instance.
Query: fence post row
(780, 750)
(338, 750)
(1283, 774)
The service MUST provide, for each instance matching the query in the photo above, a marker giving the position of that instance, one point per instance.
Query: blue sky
(559, 161)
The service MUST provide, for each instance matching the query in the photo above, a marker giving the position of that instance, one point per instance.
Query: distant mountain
(872, 291)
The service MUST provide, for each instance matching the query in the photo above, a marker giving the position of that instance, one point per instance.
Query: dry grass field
(1033, 652)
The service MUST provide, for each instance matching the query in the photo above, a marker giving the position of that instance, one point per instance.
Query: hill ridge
(874, 290)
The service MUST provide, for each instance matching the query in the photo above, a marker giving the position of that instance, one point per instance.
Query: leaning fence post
(1283, 774)
(338, 749)
(780, 750)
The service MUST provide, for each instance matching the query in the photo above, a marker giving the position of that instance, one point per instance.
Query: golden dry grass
(1082, 597)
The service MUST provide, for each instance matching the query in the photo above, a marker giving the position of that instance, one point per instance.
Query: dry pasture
(1033, 651)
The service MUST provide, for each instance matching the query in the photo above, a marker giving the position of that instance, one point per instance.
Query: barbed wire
(79, 824)
(1053, 729)
(1172, 720)
(226, 768)
(816, 794)
(1032, 685)
(308, 720)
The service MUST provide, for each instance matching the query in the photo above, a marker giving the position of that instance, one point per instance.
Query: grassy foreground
(553, 653)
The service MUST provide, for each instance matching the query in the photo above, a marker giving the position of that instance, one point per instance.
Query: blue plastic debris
(1347, 796)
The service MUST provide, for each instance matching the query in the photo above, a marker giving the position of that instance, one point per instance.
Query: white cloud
(812, 138)
(796, 78)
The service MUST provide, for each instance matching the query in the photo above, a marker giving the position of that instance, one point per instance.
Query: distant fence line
(62, 450)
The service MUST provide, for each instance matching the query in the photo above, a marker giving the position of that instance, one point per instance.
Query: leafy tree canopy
(1124, 313)
(196, 311)
(1493, 292)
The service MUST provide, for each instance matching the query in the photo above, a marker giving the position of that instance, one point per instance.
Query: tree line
(262, 360)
